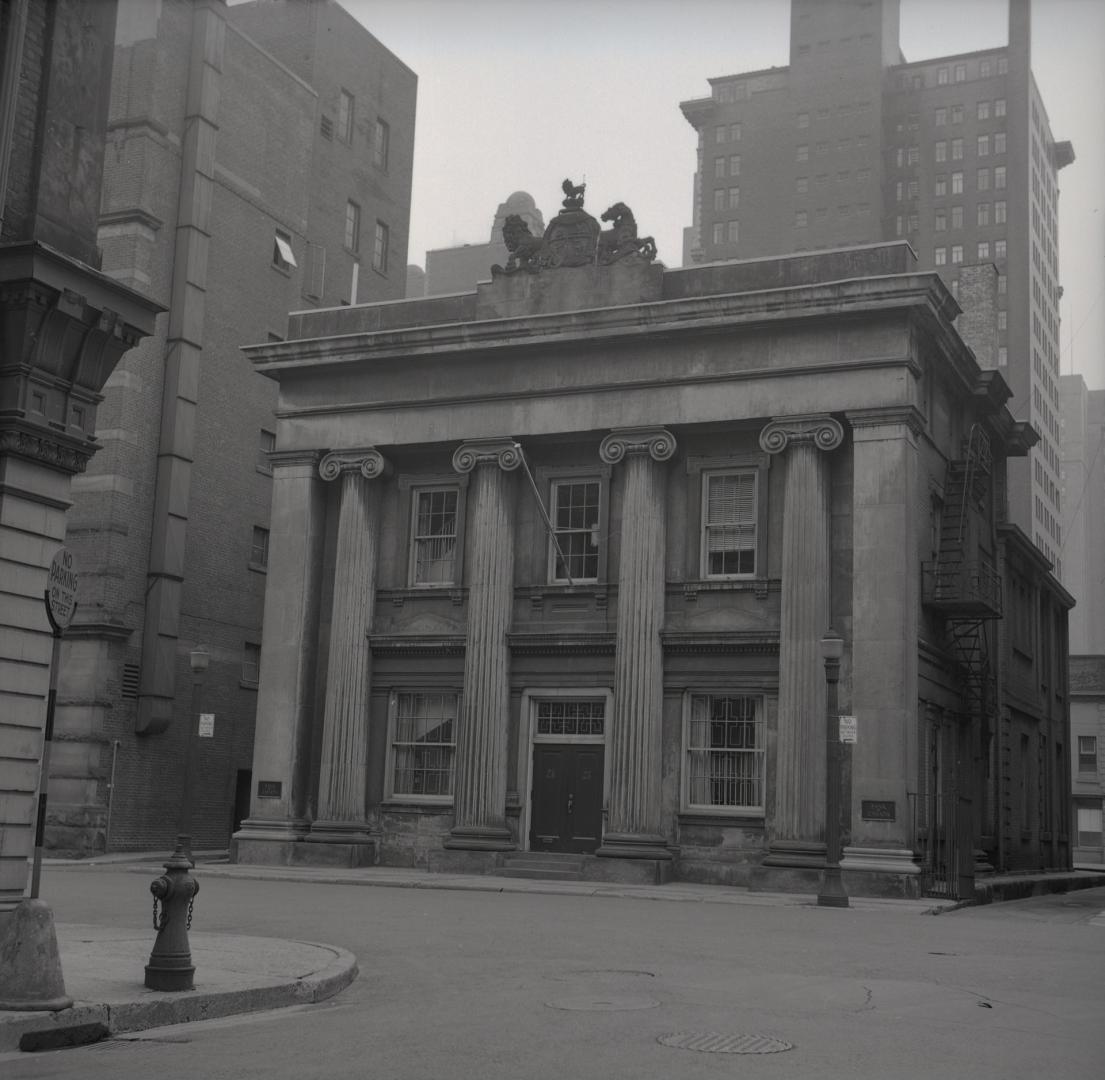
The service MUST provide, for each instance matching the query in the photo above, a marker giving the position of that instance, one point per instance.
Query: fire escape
(963, 585)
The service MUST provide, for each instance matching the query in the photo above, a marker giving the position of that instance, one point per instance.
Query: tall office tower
(850, 144)
(259, 161)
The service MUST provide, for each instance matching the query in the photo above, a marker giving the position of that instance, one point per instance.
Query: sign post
(61, 605)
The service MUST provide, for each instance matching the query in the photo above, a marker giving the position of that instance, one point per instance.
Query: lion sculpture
(526, 250)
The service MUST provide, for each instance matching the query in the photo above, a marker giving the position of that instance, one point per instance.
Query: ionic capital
(505, 453)
(370, 463)
(823, 432)
(657, 442)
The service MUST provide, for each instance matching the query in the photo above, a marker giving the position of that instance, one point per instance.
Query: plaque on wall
(877, 810)
(269, 789)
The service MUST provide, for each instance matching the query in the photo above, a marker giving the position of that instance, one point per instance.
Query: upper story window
(719, 133)
(941, 76)
(1003, 65)
(266, 444)
(941, 117)
(942, 151)
(999, 177)
(734, 198)
(999, 142)
(940, 256)
(802, 153)
(984, 146)
(729, 523)
(999, 107)
(957, 183)
(719, 198)
(984, 110)
(960, 72)
(957, 149)
(380, 248)
(734, 133)
(735, 165)
(282, 257)
(434, 535)
(345, 116)
(719, 167)
(1087, 753)
(381, 144)
(724, 741)
(352, 226)
(259, 548)
(803, 119)
(251, 663)
(575, 514)
(957, 114)
(984, 69)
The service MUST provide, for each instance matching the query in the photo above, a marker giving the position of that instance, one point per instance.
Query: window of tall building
(719, 167)
(999, 212)
(735, 165)
(940, 188)
(999, 249)
(941, 151)
(898, 225)
(940, 256)
(863, 174)
(957, 183)
(803, 119)
(911, 189)
(899, 156)
(999, 177)
(983, 250)
(1003, 284)
(821, 148)
(802, 153)
(999, 142)
(899, 191)
(719, 198)
(960, 72)
(983, 214)
(734, 198)
(734, 133)
(733, 231)
(984, 110)
(352, 226)
(380, 248)
(913, 156)
(984, 146)
(381, 144)
(955, 287)
(957, 254)
(1003, 65)
(940, 221)
(941, 117)
(719, 232)
(1003, 320)
(957, 217)
(802, 185)
(345, 116)
(719, 133)
(983, 179)
(1003, 356)
(999, 107)
(801, 219)
(942, 76)
(957, 114)
(957, 149)
(984, 69)
(913, 224)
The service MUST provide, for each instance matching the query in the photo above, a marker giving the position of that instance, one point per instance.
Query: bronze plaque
(877, 810)
(269, 789)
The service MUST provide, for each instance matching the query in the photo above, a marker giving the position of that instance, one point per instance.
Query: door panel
(567, 798)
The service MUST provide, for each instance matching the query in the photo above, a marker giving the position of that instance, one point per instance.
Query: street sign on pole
(61, 590)
(849, 729)
(207, 725)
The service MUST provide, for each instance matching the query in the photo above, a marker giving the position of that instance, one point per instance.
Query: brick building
(63, 327)
(849, 144)
(578, 610)
(259, 161)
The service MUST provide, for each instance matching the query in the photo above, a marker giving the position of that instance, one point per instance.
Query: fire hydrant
(170, 966)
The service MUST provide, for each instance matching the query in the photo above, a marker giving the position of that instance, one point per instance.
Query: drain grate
(711, 1042)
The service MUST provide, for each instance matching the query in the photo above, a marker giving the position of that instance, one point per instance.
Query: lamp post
(198, 660)
(832, 892)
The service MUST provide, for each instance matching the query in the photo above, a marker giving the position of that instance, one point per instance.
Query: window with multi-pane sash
(423, 745)
(729, 525)
(724, 753)
(434, 536)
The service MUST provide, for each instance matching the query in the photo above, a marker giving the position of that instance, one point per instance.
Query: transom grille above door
(571, 717)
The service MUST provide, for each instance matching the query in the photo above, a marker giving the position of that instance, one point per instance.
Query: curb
(84, 1022)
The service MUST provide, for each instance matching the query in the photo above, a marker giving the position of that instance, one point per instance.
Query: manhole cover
(710, 1042)
(603, 1002)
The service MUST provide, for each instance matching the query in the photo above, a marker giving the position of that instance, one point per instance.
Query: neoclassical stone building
(551, 562)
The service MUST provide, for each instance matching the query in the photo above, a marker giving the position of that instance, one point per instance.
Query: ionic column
(797, 830)
(289, 658)
(479, 802)
(341, 813)
(633, 801)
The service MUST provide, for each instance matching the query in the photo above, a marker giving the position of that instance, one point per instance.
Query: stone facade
(614, 527)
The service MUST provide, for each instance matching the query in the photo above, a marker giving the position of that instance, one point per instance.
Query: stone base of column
(264, 842)
(877, 860)
(480, 838)
(634, 846)
(797, 853)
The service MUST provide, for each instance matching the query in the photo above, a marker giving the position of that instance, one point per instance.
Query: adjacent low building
(552, 560)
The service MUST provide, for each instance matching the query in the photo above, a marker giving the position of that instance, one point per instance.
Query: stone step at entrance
(543, 865)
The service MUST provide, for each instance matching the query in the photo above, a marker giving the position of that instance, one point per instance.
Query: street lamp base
(832, 892)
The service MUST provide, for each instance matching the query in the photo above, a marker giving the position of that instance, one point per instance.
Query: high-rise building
(259, 161)
(850, 144)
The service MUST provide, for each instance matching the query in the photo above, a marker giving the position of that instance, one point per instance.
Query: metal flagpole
(544, 513)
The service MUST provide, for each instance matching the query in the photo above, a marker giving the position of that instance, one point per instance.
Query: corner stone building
(731, 458)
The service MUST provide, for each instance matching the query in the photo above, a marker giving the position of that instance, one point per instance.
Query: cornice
(416, 645)
(562, 644)
(52, 449)
(731, 642)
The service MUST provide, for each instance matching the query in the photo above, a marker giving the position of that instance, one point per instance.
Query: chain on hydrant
(174, 893)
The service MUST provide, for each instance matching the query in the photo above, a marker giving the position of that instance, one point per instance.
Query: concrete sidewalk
(104, 970)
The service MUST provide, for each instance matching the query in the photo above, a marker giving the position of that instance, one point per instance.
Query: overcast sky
(519, 94)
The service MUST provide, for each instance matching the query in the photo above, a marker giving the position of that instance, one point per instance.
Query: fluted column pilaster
(797, 828)
(479, 803)
(633, 821)
(343, 770)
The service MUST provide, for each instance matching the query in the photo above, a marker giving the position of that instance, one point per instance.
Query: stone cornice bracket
(823, 432)
(505, 453)
(371, 464)
(658, 443)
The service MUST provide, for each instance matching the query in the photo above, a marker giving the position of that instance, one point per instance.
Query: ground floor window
(724, 755)
(423, 745)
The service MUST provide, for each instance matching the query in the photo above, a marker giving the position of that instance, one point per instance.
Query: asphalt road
(490, 986)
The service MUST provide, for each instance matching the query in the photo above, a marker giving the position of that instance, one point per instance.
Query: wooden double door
(567, 797)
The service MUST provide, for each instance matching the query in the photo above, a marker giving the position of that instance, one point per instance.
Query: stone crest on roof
(574, 238)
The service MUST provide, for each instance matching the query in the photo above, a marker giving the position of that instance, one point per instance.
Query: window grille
(424, 744)
(725, 752)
